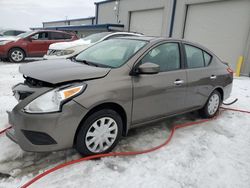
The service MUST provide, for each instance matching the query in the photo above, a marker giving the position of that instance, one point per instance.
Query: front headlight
(4, 42)
(64, 52)
(53, 100)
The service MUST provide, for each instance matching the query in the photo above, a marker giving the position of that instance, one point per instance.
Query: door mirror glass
(148, 68)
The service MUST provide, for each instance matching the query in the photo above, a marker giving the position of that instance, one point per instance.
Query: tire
(212, 105)
(91, 140)
(16, 55)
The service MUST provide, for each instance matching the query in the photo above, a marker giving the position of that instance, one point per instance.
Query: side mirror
(148, 68)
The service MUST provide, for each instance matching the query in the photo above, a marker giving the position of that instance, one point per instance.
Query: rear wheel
(99, 133)
(16, 55)
(212, 106)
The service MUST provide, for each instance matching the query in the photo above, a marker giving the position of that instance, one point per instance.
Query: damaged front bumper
(46, 131)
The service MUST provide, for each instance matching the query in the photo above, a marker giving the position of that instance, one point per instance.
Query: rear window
(67, 36)
(196, 58)
(59, 36)
(207, 58)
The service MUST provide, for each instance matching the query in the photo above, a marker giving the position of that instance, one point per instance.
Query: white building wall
(54, 24)
(107, 13)
(81, 22)
(221, 25)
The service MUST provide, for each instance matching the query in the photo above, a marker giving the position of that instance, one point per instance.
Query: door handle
(178, 82)
(213, 77)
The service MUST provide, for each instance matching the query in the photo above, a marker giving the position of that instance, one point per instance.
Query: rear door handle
(213, 77)
(178, 82)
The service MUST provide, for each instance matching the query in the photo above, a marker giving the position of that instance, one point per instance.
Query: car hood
(59, 71)
(9, 38)
(72, 44)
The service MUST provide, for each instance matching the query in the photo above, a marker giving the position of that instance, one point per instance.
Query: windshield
(26, 34)
(111, 53)
(95, 37)
(2, 31)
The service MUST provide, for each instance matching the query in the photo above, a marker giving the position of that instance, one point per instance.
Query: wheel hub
(213, 104)
(17, 55)
(101, 134)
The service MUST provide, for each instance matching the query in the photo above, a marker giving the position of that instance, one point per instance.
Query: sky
(23, 14)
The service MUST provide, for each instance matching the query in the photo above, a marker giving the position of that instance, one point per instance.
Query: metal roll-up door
(221, 26)
(148, 22)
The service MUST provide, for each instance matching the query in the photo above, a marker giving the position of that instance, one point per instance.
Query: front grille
(30, 86)
(20, 95)
(31, 82)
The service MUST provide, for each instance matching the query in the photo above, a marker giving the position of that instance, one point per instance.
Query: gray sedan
(112, 87)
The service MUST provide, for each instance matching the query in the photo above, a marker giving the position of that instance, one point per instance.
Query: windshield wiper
(87, 63)
(93, 64)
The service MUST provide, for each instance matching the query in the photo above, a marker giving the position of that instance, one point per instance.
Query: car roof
(58, 31)
(126, 33)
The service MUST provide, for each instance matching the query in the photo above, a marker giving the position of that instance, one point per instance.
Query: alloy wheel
(17, 55)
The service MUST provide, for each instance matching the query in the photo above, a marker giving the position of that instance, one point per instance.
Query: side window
(167, 56)
(40, 36)
(207, 58)
(57, 36)
(194, 57)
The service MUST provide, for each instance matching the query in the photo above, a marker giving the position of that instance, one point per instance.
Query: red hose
(4, 130)
(113, 153)
(121, 153)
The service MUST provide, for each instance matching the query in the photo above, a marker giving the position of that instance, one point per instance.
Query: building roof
(78, 19)
(108, 27)
(105, 1)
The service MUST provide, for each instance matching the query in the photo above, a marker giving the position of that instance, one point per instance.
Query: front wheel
(99, 133)
(212, 106)
(16, 55)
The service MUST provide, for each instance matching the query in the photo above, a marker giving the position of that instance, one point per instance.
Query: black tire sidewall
(80, 137)
(14, 49)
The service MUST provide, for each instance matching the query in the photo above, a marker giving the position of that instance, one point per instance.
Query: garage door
(222, 26)
(148, 22)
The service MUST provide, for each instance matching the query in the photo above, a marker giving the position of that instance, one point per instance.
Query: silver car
(112, 87)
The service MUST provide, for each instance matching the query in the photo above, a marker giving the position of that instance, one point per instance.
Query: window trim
(185, 55)
(138, 61)
(204, 58)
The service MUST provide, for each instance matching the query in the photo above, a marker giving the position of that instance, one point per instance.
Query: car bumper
(227, 91)
(45, 132)
(3, 52)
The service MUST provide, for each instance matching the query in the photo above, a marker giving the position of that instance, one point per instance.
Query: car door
(38, 44)
(201, 77)
(164, 93)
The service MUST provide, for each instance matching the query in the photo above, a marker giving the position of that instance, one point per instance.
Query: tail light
(230, 71)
